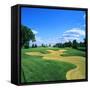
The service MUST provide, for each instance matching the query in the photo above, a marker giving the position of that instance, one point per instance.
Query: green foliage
(49, 45)
(43, 45)
(26, 36)
(74, 44)
(68, 44)
(34, 45)
(59, 45)
(26, 45)
(62, 45)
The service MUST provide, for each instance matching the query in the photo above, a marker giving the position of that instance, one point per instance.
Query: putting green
(77, 73)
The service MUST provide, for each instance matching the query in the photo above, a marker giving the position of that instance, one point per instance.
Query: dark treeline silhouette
(34, 45)
(42, 45)
(74, 44)
(45, 45)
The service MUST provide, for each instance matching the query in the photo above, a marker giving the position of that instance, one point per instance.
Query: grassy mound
(73, 52)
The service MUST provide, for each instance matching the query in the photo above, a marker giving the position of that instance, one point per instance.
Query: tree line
(74, 44)
(27, 35)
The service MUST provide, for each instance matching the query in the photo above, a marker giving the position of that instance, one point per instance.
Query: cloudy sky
(53, 26)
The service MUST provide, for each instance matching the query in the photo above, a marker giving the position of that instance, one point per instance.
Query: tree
(85, 42)
(35, 45)
(43, 45)
(26, 45)
(26, 36)
(49, 45)
(74, 44)
(59, 45)
(69, 44)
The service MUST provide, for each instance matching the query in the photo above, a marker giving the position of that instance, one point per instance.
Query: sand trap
(77, 73)
(53, 55)
(34, 53)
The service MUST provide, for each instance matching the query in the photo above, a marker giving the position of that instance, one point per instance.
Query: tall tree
(35, 45)
(74, 44)
(49, 45)
(26, 36)
(43, 45)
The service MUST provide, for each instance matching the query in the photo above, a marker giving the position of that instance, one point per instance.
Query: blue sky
(53, 26)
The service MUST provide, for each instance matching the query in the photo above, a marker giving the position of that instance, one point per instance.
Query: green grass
(36, 69)
(73, 52)
(39, 49)
(82, 48)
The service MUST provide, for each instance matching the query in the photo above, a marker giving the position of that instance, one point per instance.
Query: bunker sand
(76, 73)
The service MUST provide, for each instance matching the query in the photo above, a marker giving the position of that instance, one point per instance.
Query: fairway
(53, 45)
(50, 64)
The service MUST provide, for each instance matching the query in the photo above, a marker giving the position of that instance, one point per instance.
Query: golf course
(53, 45)
(51, 64)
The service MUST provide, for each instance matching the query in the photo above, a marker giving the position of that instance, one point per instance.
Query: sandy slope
(77, 73)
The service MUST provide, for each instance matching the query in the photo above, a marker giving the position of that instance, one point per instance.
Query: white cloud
(48, 41)
(66, 39)
(35, 32)
(38, 39)
(75, 31)
(69, 35)
(72, 34)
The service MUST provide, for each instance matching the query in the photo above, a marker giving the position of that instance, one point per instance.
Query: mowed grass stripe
(37, 70)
